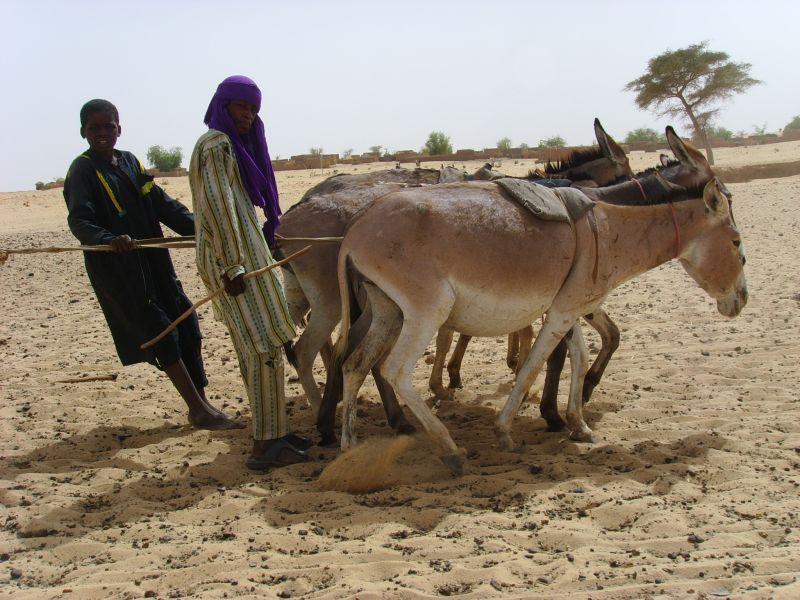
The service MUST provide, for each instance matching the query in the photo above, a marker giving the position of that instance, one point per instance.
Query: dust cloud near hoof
(367, 467)
(381, 463)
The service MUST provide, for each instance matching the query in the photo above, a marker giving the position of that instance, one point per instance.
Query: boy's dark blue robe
(138, 291)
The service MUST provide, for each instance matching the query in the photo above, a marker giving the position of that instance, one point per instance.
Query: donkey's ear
(715, 198)
(664, 160)
(679, 149)
(611, 149)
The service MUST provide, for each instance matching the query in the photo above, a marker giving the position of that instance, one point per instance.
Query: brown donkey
(458, 256)
(326, 210)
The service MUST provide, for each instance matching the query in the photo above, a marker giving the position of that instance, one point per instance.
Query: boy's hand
(122, 243)
(234, 286)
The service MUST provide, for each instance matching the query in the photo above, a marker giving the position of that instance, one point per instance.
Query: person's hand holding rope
(235, 286)
(122, 243)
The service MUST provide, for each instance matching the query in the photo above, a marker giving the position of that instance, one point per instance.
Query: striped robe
(230, 241)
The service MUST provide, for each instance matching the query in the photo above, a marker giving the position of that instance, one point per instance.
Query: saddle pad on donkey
(550, 204)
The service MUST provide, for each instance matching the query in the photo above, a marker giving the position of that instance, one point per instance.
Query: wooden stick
(216, 293)
(318, 240)
(111, 377)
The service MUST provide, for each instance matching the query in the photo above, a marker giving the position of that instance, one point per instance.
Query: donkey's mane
(649, 171)
(655, 192)
(575, 159)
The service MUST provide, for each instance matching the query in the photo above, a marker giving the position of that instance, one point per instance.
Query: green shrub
(438, 143)
(504, 143)
(163, 159)
(315, 151)
(553, 142)
(794, 123)
(645, 134)
(719, 133)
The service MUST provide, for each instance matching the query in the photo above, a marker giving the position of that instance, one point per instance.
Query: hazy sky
(352, 74)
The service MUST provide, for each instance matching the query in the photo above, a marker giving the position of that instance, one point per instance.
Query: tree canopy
(794, 123)
(438, 143)
(504, 143)
(691, 82)
(163, 159)
(555, 141)
(645, 134)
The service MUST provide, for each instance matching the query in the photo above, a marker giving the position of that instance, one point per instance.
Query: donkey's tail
(345, 296)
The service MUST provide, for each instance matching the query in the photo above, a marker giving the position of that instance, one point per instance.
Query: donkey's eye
(737, 243)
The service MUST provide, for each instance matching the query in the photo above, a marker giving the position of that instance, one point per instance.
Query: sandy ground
(692, 489)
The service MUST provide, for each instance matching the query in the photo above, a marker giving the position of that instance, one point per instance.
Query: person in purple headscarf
(230, 175)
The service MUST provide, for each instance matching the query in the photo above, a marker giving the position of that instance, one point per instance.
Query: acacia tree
(691, 82)
(504, 143)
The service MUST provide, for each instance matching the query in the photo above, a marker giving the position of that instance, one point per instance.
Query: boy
(112, 200)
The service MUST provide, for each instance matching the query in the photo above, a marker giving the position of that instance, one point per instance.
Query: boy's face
(101, 131)
(243, 114)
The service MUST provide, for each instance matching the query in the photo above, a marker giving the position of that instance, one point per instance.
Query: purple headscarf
(252, 154)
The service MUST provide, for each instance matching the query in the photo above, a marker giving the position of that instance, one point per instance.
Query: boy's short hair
(95, 106)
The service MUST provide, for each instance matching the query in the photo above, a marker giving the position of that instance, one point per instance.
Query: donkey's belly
(484, 312)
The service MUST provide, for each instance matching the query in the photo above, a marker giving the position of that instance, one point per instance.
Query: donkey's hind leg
(443, 340)
(609, 336)
(454, 366)
(553, 329)
(398, 368)
(321, 323)
(385, 323)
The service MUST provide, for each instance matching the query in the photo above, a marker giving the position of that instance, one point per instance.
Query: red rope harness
(678, 245)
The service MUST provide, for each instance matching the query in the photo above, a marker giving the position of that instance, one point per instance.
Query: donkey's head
(715, 258)
(691, 169)
(593, 167)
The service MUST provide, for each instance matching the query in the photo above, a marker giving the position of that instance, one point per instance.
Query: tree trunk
(699, 129)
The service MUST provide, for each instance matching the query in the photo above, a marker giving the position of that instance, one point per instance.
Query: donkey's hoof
(455, 381)
(455, 462)
(327, 439)
(506, 443)
(582, 436)
(554, 425)
(348, 442)
(512, 363)
(405, 428)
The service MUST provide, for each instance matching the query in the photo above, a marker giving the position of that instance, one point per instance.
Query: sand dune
(692, 489)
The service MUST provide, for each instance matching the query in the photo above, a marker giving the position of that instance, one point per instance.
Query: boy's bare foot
(213, 421)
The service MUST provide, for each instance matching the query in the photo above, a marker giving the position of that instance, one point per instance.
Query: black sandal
(298, 441)
(271, 458)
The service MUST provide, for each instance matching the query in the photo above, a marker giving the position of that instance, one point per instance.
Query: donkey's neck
(640, 238)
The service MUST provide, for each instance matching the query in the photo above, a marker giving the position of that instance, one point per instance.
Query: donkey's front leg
(579, 361)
